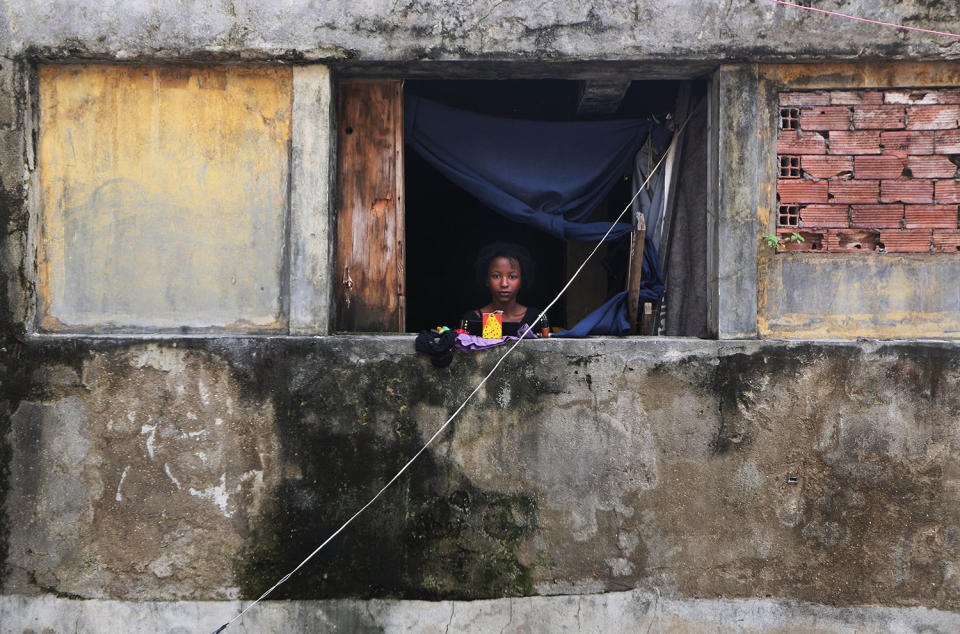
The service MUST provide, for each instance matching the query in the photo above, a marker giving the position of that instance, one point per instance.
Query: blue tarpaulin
(550, 175)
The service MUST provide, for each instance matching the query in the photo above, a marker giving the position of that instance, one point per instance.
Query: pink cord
(853, 17)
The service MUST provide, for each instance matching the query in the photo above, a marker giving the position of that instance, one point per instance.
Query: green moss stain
(349, 427)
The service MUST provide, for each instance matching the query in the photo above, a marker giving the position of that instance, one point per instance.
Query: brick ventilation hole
(789, 216)
(869, 170)
(789, 118)
(789, 167)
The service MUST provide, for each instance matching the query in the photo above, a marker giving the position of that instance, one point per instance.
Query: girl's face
(503, 280)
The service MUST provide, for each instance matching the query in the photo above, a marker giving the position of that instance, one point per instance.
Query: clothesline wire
(466, 400)
(867, 20)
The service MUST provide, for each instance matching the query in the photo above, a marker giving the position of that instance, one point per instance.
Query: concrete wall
(598, 613)
(163, 196)
(378, 30)
(205, 469)
(856, 295)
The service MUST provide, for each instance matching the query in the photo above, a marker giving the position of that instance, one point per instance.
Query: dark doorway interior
(446, 227)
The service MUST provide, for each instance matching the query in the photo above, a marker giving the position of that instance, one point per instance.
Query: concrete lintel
(310, 213)
(611, 612)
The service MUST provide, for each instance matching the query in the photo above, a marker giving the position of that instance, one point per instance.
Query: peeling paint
(147, 247)
(216, 494)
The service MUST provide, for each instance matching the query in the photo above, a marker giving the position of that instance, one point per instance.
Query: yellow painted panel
(851, 76)
(163, 196)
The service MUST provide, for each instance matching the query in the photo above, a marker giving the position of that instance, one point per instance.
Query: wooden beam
(601, 96)
(635, 272)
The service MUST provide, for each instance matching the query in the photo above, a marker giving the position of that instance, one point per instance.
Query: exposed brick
(921, 96)
(814, 216)
(790, 142)
(827, 166)
(877, 216)
(812, 241)
(853, 191)
(802, 191)
(852, 240)
(905, 240)
(930, 167)
(946, 240)
(855, 97)
(904, 142)
(947, 192)
(825, 118)
(804, 98)
(879, 166)
(946, 141)
(906, 191)
(933, 117)
(933, 216)
(859, 142)
(878, 117)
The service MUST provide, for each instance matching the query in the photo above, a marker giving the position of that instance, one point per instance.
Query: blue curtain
(550, 175)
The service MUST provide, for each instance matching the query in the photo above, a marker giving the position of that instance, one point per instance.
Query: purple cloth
(473, 343)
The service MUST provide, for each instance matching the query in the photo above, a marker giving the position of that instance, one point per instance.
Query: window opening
(789, 216)
(789, 118)
(790, 167)
(446, 227)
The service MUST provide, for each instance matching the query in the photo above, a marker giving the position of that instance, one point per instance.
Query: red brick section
(906, 191)
(905, 240)
(878, 117)
(921, 97)
(933, 117)
(825, 118)
(946, 191)
(826, 215)
(854, 191)
(828, 166)
(946, 142)
(810, 143)
(877, 216)
(882, 166)
(935, 166)
(804, 99)
(812, 241)
(855, 97)
(861, 142)
(946, 240)
(794, 191)
(852, 240)
(877, 173)
(902, 143)
(932, 216)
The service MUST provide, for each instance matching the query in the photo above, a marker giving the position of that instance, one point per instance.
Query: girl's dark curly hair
(505, 250)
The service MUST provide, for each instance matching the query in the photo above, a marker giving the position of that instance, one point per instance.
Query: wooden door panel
(370, 236)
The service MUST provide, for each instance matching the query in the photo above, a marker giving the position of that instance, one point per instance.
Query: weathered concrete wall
(163, 196)
(849, 296)
(206, 469)
(597, 614)
(814, 295)
(378, 30)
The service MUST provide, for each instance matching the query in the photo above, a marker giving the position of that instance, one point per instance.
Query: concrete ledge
(613, 612)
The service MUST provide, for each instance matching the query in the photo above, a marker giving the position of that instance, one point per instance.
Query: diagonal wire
(868, 21)
(467, 400)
